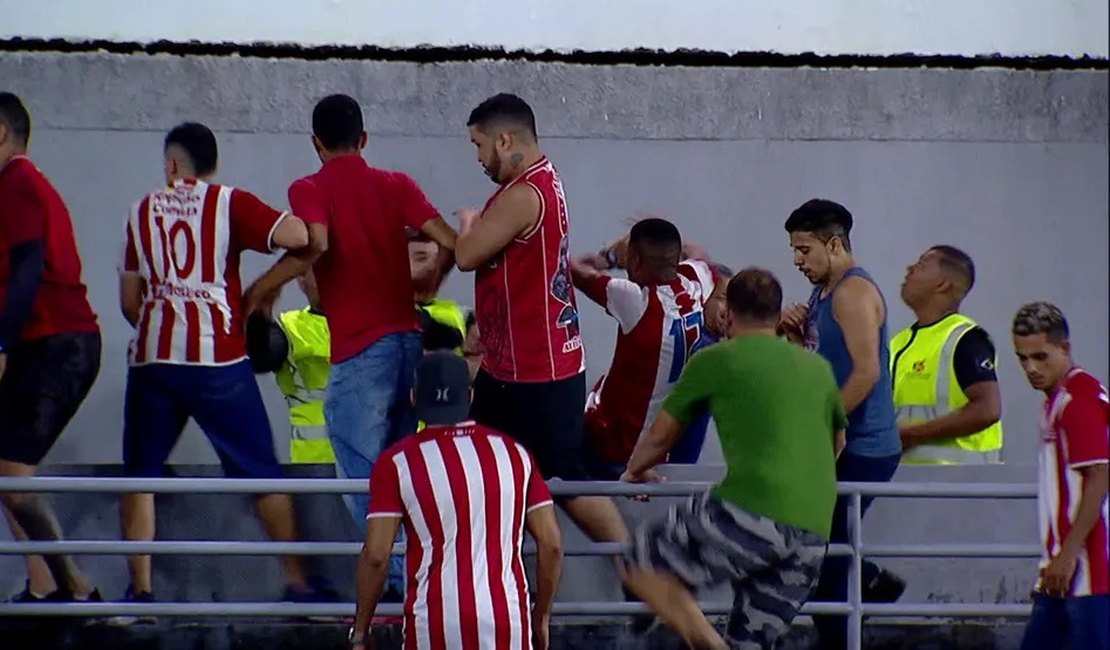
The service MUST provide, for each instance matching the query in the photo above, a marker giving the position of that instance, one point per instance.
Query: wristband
(610, 256)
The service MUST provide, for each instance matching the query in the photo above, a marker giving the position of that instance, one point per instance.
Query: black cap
(267, 345)
(442, 388)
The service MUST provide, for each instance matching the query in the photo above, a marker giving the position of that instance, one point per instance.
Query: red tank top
(523, 298)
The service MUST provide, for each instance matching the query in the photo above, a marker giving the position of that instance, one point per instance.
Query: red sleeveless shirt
(524, 301)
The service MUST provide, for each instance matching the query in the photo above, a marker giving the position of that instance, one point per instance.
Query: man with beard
(532, 382)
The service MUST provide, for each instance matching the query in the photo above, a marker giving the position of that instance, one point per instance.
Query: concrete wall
(1010, 165)
(1016, 28)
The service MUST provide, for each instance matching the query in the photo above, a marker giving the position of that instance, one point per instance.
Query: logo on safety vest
(919, 365)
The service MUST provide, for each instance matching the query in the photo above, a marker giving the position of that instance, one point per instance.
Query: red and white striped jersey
(185, 242)
(462, 492)
(1073, 436)
(659, 327)
(523, 297)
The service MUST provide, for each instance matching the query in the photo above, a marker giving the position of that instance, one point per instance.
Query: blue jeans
(1077, 623)
(368, 407)
(226, 404)
(833, 584)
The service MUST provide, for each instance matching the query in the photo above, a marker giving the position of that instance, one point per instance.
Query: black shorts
(44, 383)
(545, 417)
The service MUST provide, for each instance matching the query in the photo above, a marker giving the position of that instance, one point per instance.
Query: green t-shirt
(777, 408)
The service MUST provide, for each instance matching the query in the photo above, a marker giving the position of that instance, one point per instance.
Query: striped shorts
(705, 541)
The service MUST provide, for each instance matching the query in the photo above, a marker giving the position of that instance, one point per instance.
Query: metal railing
(854, 608)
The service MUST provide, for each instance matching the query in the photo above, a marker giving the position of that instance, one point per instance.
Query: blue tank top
(872, 426)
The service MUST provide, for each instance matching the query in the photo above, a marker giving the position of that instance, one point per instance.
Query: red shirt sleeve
(22, 213)
(130, 263)
(594, 288)
(385, 489)
(252, 222)
(537, 493)
(307, 203)
(415, 207)
(1084, 424)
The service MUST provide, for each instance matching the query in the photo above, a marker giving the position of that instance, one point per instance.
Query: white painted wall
(872, 27)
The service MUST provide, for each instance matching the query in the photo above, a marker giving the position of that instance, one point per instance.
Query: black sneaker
(885, 588)
(131, 597)
(56, 596)
(27, 596)
(316, 591)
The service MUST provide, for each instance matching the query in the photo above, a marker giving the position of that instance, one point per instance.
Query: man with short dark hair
(765, 526)
(532, 383)
(941, 346)
(946, 392)
(1071, 600)
(659, 311)
(467, 584)
(845, 322)
(181, 291)
(360, 217)
(49, 346)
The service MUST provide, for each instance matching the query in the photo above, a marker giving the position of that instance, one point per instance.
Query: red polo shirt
(30, 208)
(364, 279)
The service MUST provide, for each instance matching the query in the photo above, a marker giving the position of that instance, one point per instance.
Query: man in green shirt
(764, 528)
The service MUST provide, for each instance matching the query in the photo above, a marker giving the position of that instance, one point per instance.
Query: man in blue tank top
(845, 322)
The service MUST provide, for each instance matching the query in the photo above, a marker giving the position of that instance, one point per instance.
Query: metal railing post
(855, 576)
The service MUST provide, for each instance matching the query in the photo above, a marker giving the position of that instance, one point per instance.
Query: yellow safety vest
(302, 380)
(447, 312)
(925, 388)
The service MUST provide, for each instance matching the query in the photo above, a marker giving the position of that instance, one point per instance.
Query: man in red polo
(360, 217)
(49, 344)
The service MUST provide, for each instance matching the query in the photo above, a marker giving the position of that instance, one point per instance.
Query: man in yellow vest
(428, 275)
(304, 377)
(945, 388)
(943, 368)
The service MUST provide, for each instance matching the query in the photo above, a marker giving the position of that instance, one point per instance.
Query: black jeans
(833, 584)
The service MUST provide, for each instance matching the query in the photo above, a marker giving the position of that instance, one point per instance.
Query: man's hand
(595, 261)
(793, 319)
(1056, 578)
(541, 630)
(467, 217)
(909, 437)
(254, 301)
(650, 476)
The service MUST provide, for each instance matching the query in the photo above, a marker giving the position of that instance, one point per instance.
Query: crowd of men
(458, 419)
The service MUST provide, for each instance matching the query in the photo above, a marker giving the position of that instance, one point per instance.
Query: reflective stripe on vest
(310, 445)
(925, 388)
(303, 380)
